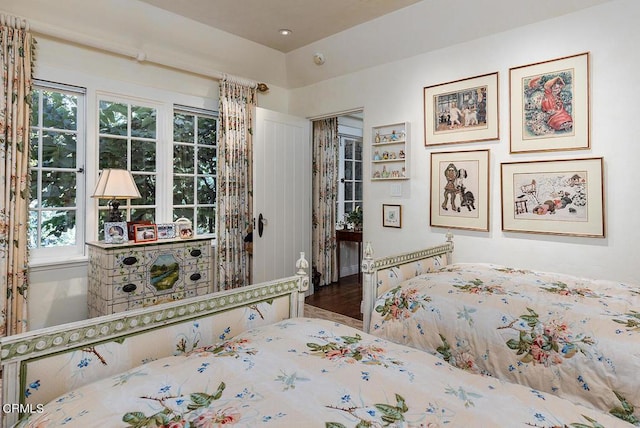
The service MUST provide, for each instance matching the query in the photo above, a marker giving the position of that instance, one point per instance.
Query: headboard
(380, 275)
(40, 365)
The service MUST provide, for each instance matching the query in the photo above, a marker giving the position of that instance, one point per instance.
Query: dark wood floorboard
(343, 297)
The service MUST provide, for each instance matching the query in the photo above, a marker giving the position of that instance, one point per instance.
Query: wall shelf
(390, 152)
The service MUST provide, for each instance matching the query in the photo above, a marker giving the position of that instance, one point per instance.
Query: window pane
(113, 118)
(207, 130)
(113, 153)
(142, 214)
(58, 189)
(58, 228)
(183, 190)
(348, 170)
(183, 128)
(143, 156)
(58, 150)
(34, 203)
(348, 191)
(206, 220)
(183, 159)
(143, 122)
(33, 155)
(358, 195)
(358, 175)
(206, 190)
(207, 160)
(59, 110)
(358, 150)
(183, 213)
(348, 149)
(147, 187)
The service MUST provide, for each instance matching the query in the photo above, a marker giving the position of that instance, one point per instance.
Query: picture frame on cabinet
(462, 111)
(555, 197)
(549, 105)
(460, 190)
(146, 232)
(166, 230)
(115, 232)
(391, 215)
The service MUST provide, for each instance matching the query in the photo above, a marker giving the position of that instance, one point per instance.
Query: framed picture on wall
(461, 111)
(557, 197)
(550, 105)
(391, 215)
(460, 190)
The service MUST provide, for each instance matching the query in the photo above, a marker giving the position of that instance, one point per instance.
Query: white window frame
(41, 255)
(344, 133)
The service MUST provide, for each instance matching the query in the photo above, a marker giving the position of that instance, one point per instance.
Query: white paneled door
(282, 194)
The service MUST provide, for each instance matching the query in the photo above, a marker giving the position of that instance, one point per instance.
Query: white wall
(393, 93)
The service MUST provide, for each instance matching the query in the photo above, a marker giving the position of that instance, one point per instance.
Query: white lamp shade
(116, 184)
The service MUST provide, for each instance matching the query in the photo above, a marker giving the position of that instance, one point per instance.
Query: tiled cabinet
(134, 275)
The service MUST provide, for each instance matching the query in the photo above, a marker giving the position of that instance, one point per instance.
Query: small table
(349, 236)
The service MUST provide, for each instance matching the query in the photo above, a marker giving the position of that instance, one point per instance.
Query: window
(56, 207)
(350, 187)
(194, 168)
(128, 139)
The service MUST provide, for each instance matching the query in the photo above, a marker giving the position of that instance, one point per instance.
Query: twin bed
(246, 357)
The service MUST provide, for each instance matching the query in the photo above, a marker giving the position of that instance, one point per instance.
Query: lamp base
(114, 213)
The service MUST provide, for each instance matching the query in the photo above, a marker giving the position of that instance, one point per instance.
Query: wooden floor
(343, 297)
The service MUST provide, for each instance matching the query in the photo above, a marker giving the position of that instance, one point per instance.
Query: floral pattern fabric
(574, 337)
(307, 373)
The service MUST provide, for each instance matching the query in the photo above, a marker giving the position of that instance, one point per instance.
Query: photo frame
(391, 215)
(557, 197)
(460, 190)
(145, 232)
(462, 111)
(115, 232)
(549, 105)
(166, 230)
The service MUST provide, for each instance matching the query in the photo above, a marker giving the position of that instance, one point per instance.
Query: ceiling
(260, 20)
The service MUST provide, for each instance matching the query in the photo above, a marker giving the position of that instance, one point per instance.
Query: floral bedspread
(307, 373)
(574, 337)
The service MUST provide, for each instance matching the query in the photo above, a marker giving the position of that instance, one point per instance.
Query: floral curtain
(235, 182)
(325, 194)
(16, 56)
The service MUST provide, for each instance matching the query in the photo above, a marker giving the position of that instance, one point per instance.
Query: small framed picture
(115, 232)
(166, 230)
(184, 228)
(392, 215)
(145, 232)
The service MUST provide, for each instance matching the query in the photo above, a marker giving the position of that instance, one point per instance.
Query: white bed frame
(19, 353)
(377, 272)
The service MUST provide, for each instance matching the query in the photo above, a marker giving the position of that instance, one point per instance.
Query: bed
(577, 338)
(246, 357)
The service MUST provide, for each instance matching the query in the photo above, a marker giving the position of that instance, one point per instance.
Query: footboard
(380, 275)
(40, 365)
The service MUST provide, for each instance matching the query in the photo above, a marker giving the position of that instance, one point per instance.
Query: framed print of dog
(460, 190)
(550, 105)
(461, 111)
(556, 197)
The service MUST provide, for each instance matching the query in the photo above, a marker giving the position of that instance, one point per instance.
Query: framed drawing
(166, 230)
(550, 105)
(461, 111)
(558, 197)
(460, 190)
(392, 215)
(145, 232)
(115, 232)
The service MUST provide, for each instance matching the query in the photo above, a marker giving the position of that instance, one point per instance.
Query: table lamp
(116, 184)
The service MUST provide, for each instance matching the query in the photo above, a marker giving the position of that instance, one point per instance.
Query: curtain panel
(234, 186)
(17, 48)
(325, 194)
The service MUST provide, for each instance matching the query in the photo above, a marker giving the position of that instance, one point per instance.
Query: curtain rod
(138, 55)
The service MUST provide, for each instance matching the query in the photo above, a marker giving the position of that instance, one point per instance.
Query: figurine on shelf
(392, 155)
(394, 136)
(401, 154)
(385, 173)
(377, 136)
(385, 155)
(376, 156)
(395, 174)
(376, 174)
(404, 172)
